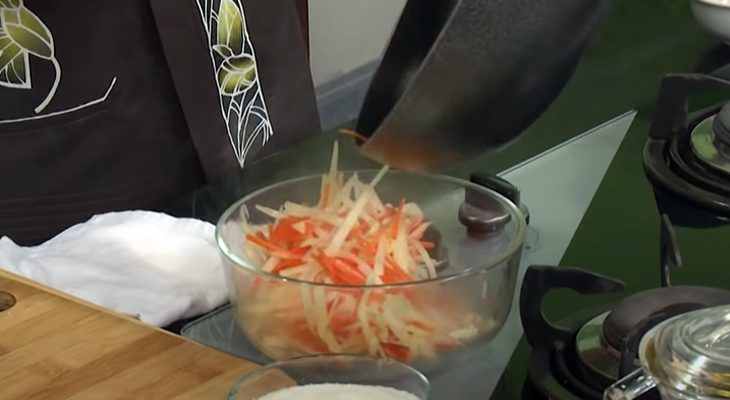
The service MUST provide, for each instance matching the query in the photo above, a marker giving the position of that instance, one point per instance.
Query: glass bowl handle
(503, 187)
(630, 386)
(498, 184)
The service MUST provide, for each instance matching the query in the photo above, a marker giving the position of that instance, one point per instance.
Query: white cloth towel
(149, 265)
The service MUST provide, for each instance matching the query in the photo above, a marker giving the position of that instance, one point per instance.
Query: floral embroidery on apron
(242, 101)
(23, 34)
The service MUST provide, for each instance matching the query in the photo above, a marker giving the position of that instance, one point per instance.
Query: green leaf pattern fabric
(23, 34)
(14, 71)
(243, 106)
(9, 3)
(230, 26)
(236, 75)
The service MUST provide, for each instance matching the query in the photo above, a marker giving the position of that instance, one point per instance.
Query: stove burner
(601, 341)
(581, 357)
(711, 144)
(598, 360)
(687, 157)
(670, 301)
(555, 369)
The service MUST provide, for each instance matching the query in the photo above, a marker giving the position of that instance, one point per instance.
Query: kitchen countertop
(618, 235)
(54, 346)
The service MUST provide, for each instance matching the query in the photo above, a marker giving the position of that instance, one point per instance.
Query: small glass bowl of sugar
(332, 377)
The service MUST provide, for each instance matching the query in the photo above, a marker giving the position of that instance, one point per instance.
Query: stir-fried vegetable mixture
(350, 238)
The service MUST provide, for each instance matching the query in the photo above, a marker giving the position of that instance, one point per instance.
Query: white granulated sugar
(336, 391)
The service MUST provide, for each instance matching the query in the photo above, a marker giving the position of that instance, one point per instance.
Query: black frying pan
(463, 77)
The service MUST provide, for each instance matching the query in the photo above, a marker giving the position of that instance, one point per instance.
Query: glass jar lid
(691, 353)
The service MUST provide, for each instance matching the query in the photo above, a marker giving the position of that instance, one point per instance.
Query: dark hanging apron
(124, 104)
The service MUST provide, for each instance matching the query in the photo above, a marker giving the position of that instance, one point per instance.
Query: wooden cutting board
(54, 346)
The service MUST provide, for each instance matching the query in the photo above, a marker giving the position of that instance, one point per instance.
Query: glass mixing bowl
(330, 369)
(479, 236)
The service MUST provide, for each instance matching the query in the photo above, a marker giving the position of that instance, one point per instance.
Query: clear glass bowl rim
(514, 246)
(313, 357)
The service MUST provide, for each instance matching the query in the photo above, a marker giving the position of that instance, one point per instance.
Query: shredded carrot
(444, 346)
(262, 242)
(286, 264)
(428, 245)
(352, 134)
(339, 271)
(394, 272)
(284, 231)
(396, 351)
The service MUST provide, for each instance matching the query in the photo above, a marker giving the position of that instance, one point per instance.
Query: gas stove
(579, 356)
(687, 156)
(687, 162)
